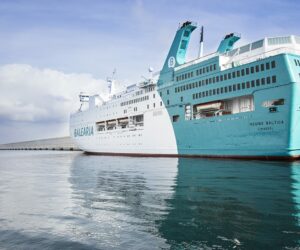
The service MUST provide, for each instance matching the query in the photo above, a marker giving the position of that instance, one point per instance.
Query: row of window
(149, 89)
(236, 87)
(200, 71)
(148, 106)
(206, 69)
(184, 76)
(227, 76)
(140, 92)
(141, 99)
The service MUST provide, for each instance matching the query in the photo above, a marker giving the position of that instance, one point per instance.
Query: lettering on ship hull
(85, 131)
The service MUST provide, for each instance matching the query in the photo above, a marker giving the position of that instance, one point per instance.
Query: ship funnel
(228, 42)
(177, 52)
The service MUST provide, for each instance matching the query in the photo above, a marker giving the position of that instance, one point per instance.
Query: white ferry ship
(237, 103)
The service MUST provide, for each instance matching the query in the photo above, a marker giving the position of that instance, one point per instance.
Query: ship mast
(111, 83)
(200, 53)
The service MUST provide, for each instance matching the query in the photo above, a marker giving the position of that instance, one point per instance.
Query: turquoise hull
(268, 132)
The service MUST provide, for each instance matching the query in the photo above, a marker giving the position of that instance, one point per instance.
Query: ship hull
(262, 131)
(237, 157)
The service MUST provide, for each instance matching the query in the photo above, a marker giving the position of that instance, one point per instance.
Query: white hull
(156, 136)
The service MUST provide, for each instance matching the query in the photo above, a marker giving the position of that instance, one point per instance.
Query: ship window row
(236, 87)
(140, 92)
(140, 99)
(200, 71)
(297, 62)
(206, 69)
(185, 76)
(227, 76)
(120, 123)
(149, 89)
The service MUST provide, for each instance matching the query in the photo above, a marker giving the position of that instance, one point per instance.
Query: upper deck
(269, 46)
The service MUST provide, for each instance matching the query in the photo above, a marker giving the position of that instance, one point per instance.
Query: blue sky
(52, 49)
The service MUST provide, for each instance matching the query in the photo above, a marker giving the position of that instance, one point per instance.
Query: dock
(60, 143)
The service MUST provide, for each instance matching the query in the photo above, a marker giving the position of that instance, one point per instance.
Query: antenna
(111, 82)
(200, 53)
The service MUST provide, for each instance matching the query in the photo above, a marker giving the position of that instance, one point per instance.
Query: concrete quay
(61, 143)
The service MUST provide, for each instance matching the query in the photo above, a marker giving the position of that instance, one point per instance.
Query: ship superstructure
(236, 102)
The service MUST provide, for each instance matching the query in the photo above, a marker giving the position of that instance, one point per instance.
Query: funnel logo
(171, 62)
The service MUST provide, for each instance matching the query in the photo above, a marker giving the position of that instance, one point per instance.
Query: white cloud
(35, 95)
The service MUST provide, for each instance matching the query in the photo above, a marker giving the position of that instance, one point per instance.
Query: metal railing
(260, 56)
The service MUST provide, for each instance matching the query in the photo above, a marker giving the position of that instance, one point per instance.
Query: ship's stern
(293, 149)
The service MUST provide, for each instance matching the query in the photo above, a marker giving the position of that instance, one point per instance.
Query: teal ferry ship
(234, 103)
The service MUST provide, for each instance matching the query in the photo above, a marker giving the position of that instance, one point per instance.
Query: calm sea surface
(68, 200)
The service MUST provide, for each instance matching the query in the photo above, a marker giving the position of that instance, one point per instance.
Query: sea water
(69, 200)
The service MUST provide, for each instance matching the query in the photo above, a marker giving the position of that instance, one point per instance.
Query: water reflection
(65, 200)
(296, 189)
(187, 203)
(232, 204)
(124, 197)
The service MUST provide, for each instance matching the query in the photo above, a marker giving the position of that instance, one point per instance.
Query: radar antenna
(83, 97)
(148, 81)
